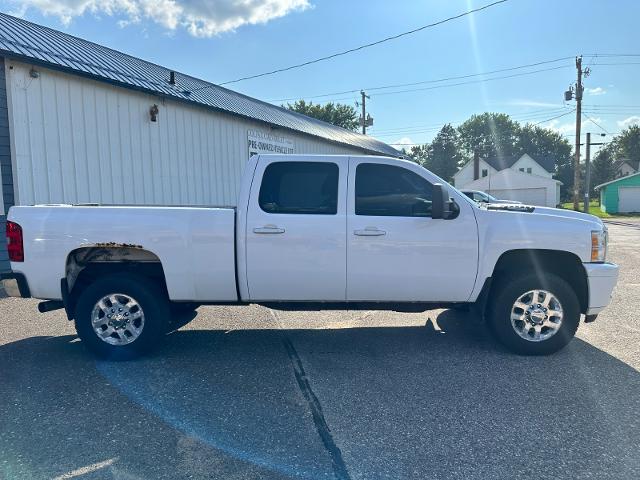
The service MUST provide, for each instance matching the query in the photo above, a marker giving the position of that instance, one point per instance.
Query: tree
(419, 154)
(497, 135)
(338, 114)
(541, 142)
(564, 173)
(490, 134)
(626, 145)
(602, 168)
(443, 155)
(494, 135)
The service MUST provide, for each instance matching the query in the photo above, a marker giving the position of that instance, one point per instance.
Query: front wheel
(122, 316)
(533, 315)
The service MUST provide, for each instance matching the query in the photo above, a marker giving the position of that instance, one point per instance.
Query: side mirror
(440, 202)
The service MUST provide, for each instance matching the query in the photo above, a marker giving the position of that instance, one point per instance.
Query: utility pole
(364, 111)
(587, 170)
(576, 163)
(587, 173)
(365, 120)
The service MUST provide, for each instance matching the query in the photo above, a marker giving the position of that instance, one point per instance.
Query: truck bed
(195, 245)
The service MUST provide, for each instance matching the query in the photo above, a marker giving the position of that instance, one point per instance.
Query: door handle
(269, 229)
(369, 232)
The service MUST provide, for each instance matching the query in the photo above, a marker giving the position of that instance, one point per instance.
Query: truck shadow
(412, 402)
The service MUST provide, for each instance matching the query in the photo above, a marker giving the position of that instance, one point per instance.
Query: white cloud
(201, 18)
(570, 127)
(403, 142)
(533, 103)
(595, 91)
(627, 122)
(559, 127)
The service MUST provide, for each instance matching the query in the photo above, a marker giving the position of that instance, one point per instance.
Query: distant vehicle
(483, 197)
(312, 233)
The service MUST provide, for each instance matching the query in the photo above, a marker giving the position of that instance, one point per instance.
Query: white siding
(464, 176)
(526, 162)
(528, 196)
(76, 141)
(625, 169)
(519, 185)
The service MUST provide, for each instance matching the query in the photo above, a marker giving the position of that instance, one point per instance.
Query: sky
(226, 40)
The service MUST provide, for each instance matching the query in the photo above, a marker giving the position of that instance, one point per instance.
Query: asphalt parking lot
(245, 392)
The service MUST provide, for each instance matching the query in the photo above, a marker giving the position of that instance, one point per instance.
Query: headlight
(599, 245)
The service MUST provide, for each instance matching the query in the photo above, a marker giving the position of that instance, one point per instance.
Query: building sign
(260, 142)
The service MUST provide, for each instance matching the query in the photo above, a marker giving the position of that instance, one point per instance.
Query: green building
(621, 195)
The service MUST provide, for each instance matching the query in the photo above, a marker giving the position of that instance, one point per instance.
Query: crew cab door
(395, 250)
(296, 229)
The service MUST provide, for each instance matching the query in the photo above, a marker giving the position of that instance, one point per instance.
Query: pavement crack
(339, 467)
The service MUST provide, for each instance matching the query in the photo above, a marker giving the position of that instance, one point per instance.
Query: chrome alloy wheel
(117, 319)
(536, 315)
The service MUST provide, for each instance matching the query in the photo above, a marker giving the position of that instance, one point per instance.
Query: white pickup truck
(314, 232)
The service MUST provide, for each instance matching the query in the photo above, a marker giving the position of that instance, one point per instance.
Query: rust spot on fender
(116, 245)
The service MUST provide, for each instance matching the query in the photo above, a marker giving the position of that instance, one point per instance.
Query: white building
(625, 167)
(81, 123)
(512, 178)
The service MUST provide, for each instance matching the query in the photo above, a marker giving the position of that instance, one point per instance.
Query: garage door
(629, 199)
(530, 196)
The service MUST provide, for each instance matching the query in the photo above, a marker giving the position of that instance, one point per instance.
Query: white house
(625, 167)
(512, 178)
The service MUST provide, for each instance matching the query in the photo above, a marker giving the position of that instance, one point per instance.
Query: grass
(594, 208)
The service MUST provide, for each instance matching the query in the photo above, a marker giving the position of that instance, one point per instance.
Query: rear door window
(300, 188)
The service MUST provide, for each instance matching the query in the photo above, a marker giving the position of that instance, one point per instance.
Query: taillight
(14, 242)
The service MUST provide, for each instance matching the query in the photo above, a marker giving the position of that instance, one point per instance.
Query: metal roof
(26, 40)
(625, 177)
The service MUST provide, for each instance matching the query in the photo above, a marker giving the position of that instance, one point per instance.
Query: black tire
(151, 299)
(509, 289)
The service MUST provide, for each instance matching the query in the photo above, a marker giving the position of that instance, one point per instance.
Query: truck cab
(352, 229)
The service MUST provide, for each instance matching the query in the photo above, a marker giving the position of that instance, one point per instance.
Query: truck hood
(515, 227)
(559, 213)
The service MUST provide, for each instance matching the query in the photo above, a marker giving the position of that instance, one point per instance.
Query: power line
(616, 63)
(611, 105)
(367, 45)
(483, 80)
(612, 54)
(459, 77)
(438, 80)
(415, 129)
(553, 118)
(383, 87)
(472, 81)
(595, 123)
(611, 114)
(573, 134)
(563, 134)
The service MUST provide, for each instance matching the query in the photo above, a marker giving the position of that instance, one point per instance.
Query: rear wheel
(122, 316)
(531, 315)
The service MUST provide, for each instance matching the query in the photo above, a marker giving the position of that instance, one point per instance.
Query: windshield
(461, 194)
(491, 197)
